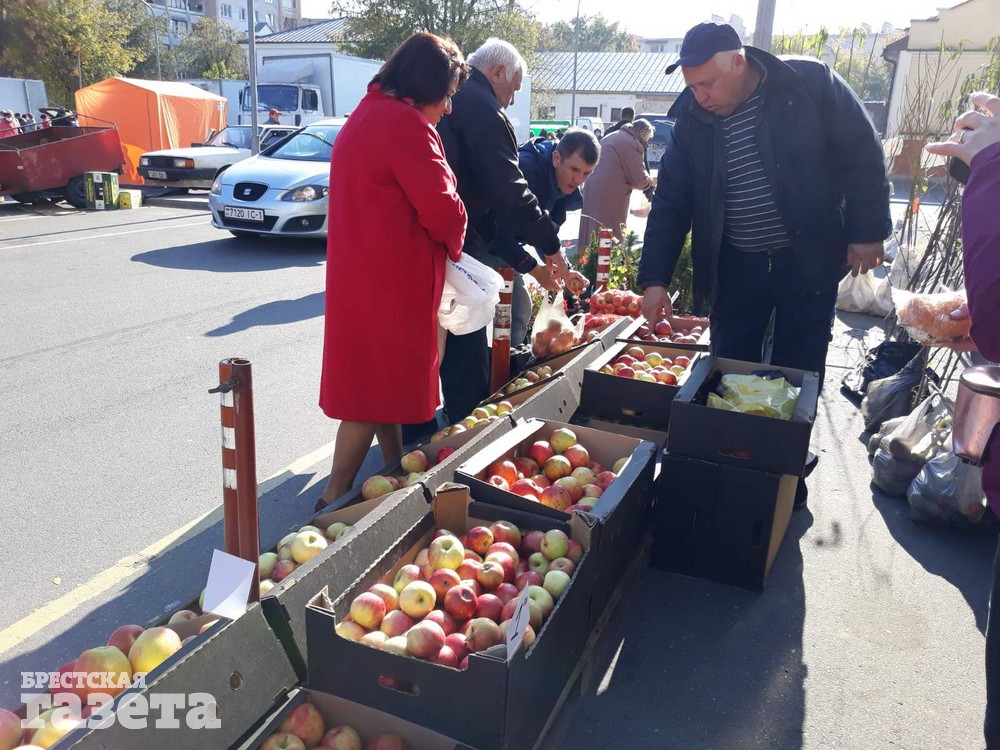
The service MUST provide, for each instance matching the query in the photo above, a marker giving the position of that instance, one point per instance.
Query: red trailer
(51, 162)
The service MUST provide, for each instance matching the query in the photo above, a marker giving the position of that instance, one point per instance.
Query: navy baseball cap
(703, 41)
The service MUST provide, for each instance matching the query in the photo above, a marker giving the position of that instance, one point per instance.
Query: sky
(656, 18)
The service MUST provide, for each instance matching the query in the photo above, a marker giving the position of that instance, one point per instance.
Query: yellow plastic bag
(751, 394)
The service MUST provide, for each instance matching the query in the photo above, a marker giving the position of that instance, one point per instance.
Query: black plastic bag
(883, 361)
(896, 395)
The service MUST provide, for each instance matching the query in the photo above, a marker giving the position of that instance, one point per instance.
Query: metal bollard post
(604, 236)
(239, 464)
(502, 319)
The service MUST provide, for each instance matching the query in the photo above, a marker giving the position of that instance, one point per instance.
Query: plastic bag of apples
(553, 332)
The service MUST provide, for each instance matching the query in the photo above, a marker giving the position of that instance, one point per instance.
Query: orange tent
(152, 115)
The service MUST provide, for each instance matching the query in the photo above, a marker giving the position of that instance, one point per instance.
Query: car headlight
(306, 193)
(184, 163)
(216, 188)
(143, 161)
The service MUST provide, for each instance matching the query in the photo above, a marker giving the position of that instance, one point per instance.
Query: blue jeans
(754, 286)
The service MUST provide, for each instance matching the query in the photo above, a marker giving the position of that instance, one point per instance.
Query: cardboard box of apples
(553, 469)
(678, 332)
(423, 635)
(635, 383)
(311, 719)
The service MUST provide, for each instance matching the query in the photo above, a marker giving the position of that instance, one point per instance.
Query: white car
(283, 190)
(197, 166)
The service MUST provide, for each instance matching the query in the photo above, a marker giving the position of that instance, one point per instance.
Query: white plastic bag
(947, 492)
(553, 332)
(903, 452)
(471, 294)
(868, 293)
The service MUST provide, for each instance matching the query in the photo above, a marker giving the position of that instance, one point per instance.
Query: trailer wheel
(76, 192)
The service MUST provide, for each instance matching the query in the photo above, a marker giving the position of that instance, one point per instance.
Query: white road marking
(101, 236)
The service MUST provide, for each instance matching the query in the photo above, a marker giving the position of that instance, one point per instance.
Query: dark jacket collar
(480, 79)
(779, 74)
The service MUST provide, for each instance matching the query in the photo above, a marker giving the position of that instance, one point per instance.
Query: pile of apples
(556, 472)
(458, 595)
(616, 302)
(650, 367)
(481, 415)
(295, 549)
(527, 378)
(304, 728)
(558, 337)
(131, 650)
(664, 333)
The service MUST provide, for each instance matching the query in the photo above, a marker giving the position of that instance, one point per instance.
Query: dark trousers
(754, 286)
(465, 381)
(991, 725)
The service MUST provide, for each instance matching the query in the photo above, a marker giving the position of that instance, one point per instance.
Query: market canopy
(152, 115)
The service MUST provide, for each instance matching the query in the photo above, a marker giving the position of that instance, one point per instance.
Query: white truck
(23, 95)
(228, 88)
(306, 87)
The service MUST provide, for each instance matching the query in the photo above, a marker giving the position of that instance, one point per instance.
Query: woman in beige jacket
(621, 170)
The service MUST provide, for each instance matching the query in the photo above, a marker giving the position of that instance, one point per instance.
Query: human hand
(543, 275)
(864, 256)
(974, 130)
(966, 344)
(557, 264)
(576, 282)
(656, 304)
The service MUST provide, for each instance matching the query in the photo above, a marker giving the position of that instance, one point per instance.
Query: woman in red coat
(394, 220)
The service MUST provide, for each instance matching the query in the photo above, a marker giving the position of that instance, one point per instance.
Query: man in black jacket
(776, 169)
(628, 114)
(481, 149)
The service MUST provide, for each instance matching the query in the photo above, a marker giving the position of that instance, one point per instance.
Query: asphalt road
(113, 327)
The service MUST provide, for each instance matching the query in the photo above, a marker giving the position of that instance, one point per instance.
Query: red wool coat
(394, 219)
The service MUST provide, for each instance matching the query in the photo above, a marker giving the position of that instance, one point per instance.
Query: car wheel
(237, 233)
(76, 192)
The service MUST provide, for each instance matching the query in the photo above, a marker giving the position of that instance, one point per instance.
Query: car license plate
(243, 214)
(156, 175)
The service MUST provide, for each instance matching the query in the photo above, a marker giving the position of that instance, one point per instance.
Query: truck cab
(298, 103)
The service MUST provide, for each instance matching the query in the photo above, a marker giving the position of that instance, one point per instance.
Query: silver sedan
(282, 191)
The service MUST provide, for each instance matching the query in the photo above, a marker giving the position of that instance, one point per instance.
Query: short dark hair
(627, 113)
(423, 68)
(579, 141)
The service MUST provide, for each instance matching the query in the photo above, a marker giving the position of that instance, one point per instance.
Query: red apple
(442, 580)
(573, 487)
(386, 742)
(350, 630)
(479, 538)
(541, 480)
(532, 542)
(446, 552)
(531, 578)
(341, 737)
(662, 328)
(460, 602)
(414, 461)
(604, 479)
(489, 606)
(504, 547)
(418, 599)
(506, 591)
(123, 638)
(425, 639)
(562, 439)
(526, 488)
(443, 454)
(482, 634)
(540, 452)
(446, 658)
(396, 623)
(406, 575)
(468, 570)
(505, 531)
(508, 565)
(556, 497)
(491, 575)
(499, 482)
(456, 642)
(564, 564)
(442, 618)
(388, 594)
(575, 552)
(476, 586)
(306, 723)
(277, 741)
(504, 468)
(577, 455)
(283, 569)
(526, 466)
(470, 555)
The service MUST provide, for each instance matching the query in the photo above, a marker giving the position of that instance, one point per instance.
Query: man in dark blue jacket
(555, 172)
(776, 170)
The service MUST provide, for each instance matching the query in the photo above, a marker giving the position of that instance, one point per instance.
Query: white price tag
(518, 623)
(228, 587)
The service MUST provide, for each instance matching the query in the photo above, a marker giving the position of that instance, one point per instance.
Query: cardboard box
(237, 668)
(102, 190)
(128, 199)
(337, 567)
(779, 446)
(656, 437)
(720, 522)
(704, 343)
(368, 722)
(618, 519)
(631, 402)
(500, 700)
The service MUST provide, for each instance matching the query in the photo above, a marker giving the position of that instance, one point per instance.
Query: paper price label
(228, 588)
(518, 623)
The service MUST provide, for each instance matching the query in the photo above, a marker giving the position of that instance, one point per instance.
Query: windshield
(313, 143)
(234, 137)
(277, 96)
